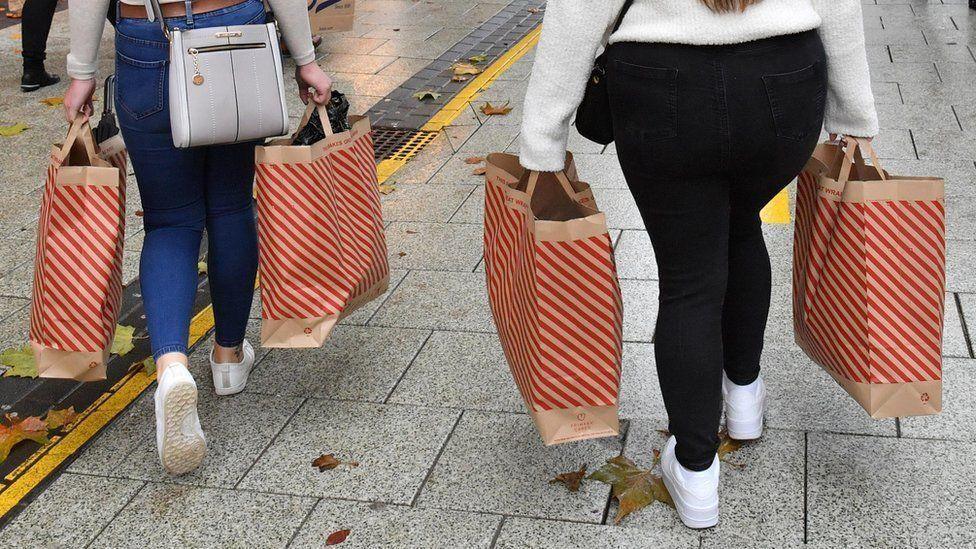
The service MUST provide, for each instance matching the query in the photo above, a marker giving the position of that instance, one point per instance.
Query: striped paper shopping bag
(869, 279)
(321, 240)
(555, 298)
(78, 265)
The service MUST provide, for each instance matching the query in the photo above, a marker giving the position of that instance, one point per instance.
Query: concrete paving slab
(524, 533)
(460, 370)
(640, 309)
(954, 342)
(438, 301)
(495, 463)
(959, 175)
(457, 171)
(473, 209)
(66, 514)
(428, 203)
(366, 312)
(886, 492)
(435, 246)
(635, 256)
(108, 453)
(961, 266)
(166, 515)
(640, 389)
(958, 418)
(394, 445)
(945, 144)
(380, 525)
(356, 363)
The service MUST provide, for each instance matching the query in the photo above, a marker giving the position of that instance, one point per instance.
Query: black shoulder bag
(593, 119)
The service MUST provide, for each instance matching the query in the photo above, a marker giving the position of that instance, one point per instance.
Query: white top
(87, 19)
(573, 31)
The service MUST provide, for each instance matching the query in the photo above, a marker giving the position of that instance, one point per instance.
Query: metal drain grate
(398, 143)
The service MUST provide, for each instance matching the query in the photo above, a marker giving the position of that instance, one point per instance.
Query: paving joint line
(304, 521)
(116, 514)
(623, 448)
(271, 442)
(403, 374)
(437, 458)
(498, 532)
(966, 335)
(806, 487)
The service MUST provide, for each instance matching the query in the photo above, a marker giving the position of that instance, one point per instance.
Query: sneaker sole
(696, 518)
(24, 88)
(180, 452)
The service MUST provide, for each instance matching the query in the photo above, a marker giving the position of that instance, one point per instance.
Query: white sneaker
(744, 408)
(179, 438)
(695, 493)
(230, 378)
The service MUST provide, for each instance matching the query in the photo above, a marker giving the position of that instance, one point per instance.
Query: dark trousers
(35, 26)
(706, 136)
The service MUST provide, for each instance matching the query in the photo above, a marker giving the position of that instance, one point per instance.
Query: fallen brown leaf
(337, 537)
(139, 213)
(534, 10)
(460, 68)
(52, 101)
(570, 480)
(477, 58)
(411, 232)
(459, 78)
(481, 170)
(386, 188)
(14, 430)
(633, 487)
(474, 160)
(491, 110)
(328, 462)
(427, 94)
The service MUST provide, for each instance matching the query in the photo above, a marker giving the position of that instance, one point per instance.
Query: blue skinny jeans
(185, 191)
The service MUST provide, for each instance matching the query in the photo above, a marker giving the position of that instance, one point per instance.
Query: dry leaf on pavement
(328, 462)
(337, 537)
(491, 110)
(12, 130)
(14, 430)
(459, 78)
(460, 68)
(570, 480)
(386, 188)
(481, 170)
(122, 343)
(427, 94)
(633, 487)
(474, 160)
(477, 58)
(19, 361)
(52, 101)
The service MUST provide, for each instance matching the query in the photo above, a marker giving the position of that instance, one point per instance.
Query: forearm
(292, 16)
(850, 101)
(572, 33)
(87, 21)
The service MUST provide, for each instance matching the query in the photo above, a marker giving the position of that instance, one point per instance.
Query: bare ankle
(228, 355)
(167, 360)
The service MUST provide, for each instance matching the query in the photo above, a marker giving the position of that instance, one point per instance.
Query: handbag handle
(323, 116)
(560, 176)
(154, 12)
(853, 156)
(80, 129)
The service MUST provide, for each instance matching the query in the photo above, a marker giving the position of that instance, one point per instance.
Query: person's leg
(35, 27)
(232, 244)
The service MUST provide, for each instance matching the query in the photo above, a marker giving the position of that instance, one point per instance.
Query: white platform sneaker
(745, 406)
(179, 437)
(695, 493)
(231, 378)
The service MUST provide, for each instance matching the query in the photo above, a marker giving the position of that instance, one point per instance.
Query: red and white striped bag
(78, 267)
(869, 279)
(321, 240)
(555, 298)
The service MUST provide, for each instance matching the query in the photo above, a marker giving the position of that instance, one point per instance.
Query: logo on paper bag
(925, 397)
(308, 331)
(316, 6)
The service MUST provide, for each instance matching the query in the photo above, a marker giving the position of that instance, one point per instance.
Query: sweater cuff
(305, 58)
(80, 71)
(541, 158)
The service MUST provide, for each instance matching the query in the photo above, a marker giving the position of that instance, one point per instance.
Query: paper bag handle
(560, 176)
(853, 156)
(80, 129)
(323, 116)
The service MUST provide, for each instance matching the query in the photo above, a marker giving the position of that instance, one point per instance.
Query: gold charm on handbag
(197, 77)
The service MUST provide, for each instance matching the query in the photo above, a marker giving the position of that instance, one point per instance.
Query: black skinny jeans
(706, 136)
(35, 26)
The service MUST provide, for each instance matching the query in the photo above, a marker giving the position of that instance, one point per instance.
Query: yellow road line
(47, 459)
(459, 103)
(778, 209)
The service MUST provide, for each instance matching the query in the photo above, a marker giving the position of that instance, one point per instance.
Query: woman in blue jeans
(183, 192)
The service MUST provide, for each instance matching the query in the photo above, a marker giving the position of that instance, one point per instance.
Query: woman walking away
(35, 28)
(184, 191)
(716, 106)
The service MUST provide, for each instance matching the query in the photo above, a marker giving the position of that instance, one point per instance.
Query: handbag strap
(154, 11)
(620, 17)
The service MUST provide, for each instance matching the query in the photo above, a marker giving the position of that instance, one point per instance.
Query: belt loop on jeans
(189, 13)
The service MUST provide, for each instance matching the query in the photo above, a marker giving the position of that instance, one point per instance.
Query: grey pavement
(416, 389)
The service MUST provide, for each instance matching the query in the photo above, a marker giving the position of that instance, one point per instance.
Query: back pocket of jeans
(644, 100)
(140, 85)
(796, 101)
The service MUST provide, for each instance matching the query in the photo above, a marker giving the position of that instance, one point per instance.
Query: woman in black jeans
(716, 106)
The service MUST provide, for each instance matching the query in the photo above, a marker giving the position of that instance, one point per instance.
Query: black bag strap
(620, 18)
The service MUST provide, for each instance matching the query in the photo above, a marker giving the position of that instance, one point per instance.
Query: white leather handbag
(225, 83)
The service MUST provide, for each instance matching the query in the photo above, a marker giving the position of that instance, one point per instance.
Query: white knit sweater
(573, 31)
